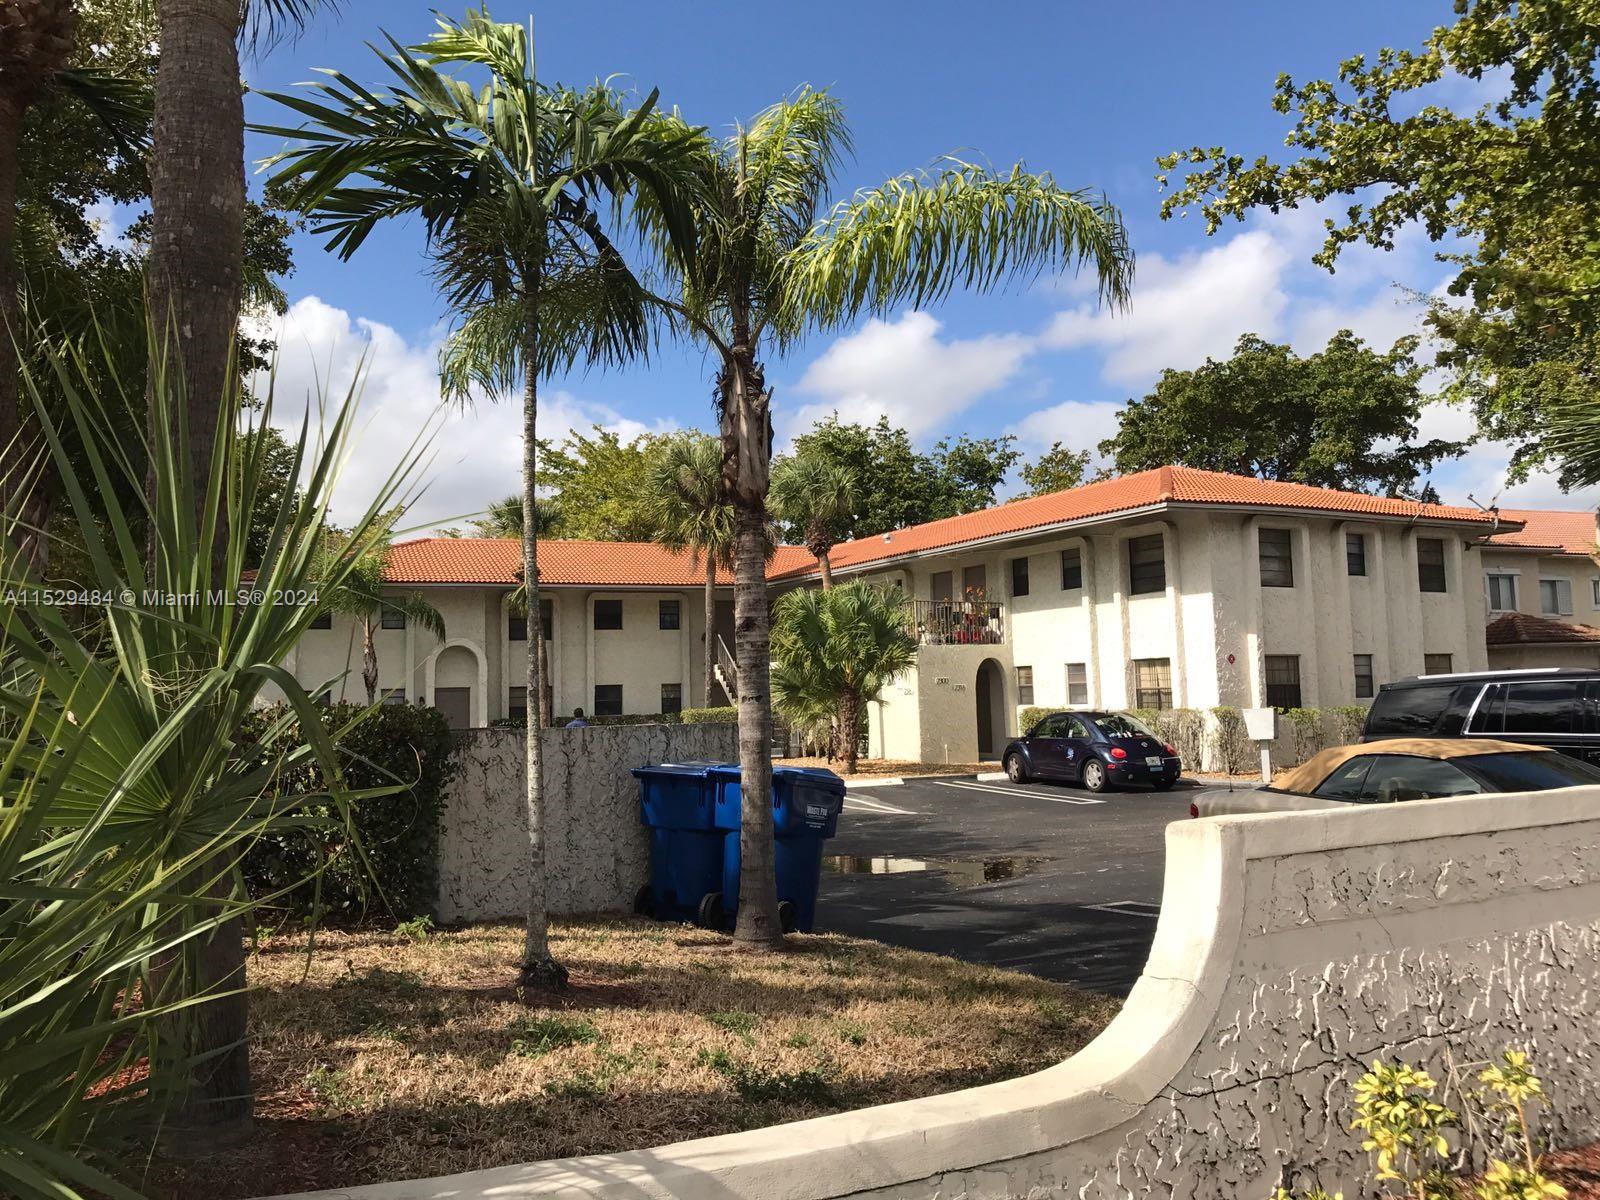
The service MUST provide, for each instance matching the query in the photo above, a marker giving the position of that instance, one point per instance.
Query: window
(392, 618)
(323, 620)
(608, 614)
(1408, 711)
(1396, 777)
(1072, 571)
(1555, 597)
(394, 695)
(1024, 685)
(1430, 564)
(669, 613)
(940, 584)
(1277, 558)
(516, 627)
(1347, 781)
(1078, 683)
(547, 618)
(1019, 577)
(608, 699)
(1594, 591)
(517, 703)
(671, 697)
(1054, 725)
(1436, 664)
(1542, 708)
(975, 582)
(1147, 565)
(1283, 680)
(1364, 688)
(1534, 772)
(1152, 683)
(1502, 592)
(1355, 554)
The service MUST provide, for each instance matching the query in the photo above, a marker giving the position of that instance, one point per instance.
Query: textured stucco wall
(596, 851)
(1292, 949)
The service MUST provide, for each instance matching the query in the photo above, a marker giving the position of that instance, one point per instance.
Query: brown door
(456, 705)
(974, 582)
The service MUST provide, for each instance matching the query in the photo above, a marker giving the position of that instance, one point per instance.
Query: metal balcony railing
(958, 622)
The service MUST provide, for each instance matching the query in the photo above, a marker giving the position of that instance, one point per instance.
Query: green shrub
(1231, 746)
(397, 872)
(1348, 720)
(1306, 725)
(709, 716)
(1032, 715)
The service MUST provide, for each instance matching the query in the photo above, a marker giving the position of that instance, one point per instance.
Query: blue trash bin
(677, 805)
(806, 802)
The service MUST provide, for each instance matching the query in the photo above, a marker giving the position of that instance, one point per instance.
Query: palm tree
(835, 650)
(816, 496)
(362, 596)
(503, 518)
(768, 263)
(513, 182)
(684, 488)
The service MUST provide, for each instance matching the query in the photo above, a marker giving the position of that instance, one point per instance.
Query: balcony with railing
(957, 622)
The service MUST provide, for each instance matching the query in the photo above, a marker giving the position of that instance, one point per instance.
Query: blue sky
(1092, 93)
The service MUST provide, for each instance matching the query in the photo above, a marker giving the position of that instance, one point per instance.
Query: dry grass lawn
(382, 1057)
(879, 768)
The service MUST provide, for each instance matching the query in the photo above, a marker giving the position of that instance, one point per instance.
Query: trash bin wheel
(711, 913)
(787, 918)
(644, 902)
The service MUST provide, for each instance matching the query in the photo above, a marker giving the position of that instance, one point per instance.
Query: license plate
(1153, 762)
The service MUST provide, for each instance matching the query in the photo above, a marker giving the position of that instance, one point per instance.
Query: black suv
(1557, 707)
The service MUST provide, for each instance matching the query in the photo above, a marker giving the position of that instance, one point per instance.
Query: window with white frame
(1555, 597)
(1024, 685)
(1078, 684)
(1502, 592)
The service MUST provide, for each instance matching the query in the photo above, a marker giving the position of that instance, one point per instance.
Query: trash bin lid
(693, 769)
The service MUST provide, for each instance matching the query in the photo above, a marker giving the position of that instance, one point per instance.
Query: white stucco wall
(597, 854)
(1291, 950)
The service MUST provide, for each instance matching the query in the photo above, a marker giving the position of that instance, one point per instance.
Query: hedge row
(396, 874)
(686, 716)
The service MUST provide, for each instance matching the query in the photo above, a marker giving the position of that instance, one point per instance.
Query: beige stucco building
(1541, 591)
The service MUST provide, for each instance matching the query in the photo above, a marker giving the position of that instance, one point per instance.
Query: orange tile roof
(1562, 532)
(1145, 489)
(1525, 629)
(444, 560)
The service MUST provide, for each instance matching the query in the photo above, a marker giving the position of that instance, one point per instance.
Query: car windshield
(1535, 771)
(1115, 725)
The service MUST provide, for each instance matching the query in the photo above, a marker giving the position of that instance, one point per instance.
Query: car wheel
(1094, 775)
(1015, 771)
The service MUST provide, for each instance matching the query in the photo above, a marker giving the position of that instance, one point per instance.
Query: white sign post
(1261, 724)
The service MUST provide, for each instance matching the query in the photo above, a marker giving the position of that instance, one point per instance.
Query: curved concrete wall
(1293, 949)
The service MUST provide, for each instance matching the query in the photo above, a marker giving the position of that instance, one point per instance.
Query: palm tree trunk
(197, 211)
(849, 721)
(538, 968)
(541, 707)
(711, 625)
(826, 568)
(196, 248)
(369, 659)
(747, 455)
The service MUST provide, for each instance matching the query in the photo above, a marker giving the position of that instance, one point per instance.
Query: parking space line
(862, 804)
(1022, 792)
(1129, 908)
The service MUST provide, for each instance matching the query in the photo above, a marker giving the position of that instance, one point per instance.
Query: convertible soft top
(1305, 778)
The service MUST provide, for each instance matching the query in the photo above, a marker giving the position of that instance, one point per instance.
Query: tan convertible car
(1394, 769)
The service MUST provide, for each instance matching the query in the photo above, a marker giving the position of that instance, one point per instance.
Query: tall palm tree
(513, 181)
(816, 496)
(770, 262)
(363, 597)
(837, 650)
(684, 488)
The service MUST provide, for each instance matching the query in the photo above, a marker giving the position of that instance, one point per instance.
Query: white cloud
(1079, 424)
(476, 454)
(1184, 310)
(903, 370)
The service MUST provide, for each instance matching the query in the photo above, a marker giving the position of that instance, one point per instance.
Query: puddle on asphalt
(962, 873)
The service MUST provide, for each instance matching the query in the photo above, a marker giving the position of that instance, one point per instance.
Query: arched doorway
(991, 705)
(455, 678)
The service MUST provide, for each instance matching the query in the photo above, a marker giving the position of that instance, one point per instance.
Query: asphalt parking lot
(1041, 877)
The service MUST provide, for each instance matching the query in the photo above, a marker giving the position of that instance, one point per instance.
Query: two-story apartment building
(1541, 591)
(624, 623)
(1174, 587)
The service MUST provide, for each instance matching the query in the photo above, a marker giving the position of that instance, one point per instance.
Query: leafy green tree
(816, 496)
(838, 649)
(1511, 187)
(600, 481)
(688, 512)
(1344, 417)
(1056, 470)
(514, 182)
(898, 485)
(770, 263)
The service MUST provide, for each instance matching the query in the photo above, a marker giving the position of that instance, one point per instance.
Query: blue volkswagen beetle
(1097, 750)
